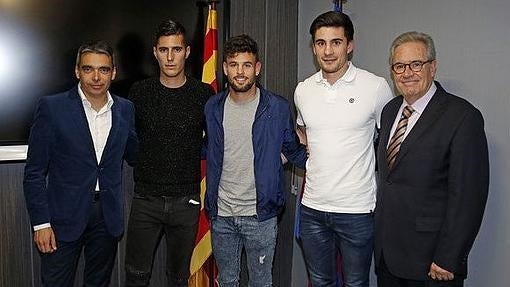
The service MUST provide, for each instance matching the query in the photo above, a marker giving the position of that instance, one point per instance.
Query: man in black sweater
(169, 121)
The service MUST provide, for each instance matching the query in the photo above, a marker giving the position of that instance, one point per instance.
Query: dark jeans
(322, 233)
(386, 279)
(152, 217)
(58, 269)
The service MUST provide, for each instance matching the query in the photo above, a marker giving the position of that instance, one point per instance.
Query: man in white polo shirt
(338, 110)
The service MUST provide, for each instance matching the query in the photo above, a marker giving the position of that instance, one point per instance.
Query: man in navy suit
(73, 173)
(434, 175)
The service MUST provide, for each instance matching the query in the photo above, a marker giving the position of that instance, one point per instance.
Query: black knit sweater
(169, 124)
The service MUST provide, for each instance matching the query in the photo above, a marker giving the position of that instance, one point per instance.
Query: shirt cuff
(42, 226)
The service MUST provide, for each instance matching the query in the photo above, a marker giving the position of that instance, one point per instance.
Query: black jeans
(152, 217)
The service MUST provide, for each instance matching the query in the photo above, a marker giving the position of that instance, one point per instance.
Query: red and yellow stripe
(201, 261)
(211, 50)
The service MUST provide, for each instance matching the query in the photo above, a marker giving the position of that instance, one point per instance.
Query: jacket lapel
(431, 113)
(386, 128)
(77, 111)
(116, 116)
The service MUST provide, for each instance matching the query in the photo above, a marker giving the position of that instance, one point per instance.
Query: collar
(420, 104)
(348, 76)
(255, 98)
(85, 101)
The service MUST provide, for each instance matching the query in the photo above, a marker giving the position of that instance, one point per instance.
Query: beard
(240, 88)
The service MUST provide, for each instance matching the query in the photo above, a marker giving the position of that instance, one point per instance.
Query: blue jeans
(323, 233)
(229, 236)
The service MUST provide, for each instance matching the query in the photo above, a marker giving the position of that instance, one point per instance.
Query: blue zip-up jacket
(272, 133)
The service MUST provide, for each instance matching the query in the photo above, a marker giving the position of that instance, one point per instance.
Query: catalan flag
(202, 267)
(211, 50)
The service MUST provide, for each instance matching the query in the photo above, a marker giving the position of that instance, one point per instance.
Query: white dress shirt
(418, 107)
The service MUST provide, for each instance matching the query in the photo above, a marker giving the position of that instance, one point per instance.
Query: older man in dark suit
(72, 182)
(434, 174)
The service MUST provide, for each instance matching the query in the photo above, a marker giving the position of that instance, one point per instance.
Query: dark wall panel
(16, 258)
(273, 24)
(282, 43)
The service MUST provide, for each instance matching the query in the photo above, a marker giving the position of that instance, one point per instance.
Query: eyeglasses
(415, 66)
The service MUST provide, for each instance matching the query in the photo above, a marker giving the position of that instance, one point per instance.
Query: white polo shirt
(340, 121)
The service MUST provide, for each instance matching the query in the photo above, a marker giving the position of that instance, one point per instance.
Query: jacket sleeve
(292, 149)
(37, 164)
(468, 184)
(132, 141)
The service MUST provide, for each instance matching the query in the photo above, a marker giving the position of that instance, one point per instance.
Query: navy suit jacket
(430, 205)
(61, 168)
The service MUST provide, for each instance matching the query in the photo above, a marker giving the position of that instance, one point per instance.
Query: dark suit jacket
(61, 168)
(430, 205)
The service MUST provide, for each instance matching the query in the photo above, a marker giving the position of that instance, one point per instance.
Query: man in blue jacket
(248, 128)
(78, 142)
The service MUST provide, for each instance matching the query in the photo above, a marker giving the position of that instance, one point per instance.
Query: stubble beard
(240, 89)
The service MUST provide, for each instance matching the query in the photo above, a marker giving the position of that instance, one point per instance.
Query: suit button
(389, 182)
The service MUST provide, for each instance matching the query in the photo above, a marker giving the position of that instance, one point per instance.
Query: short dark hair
(169, 28)
(240, 44)
(333, 19)
(95, 46)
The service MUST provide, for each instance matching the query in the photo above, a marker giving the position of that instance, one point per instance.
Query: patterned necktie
(398, 136)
